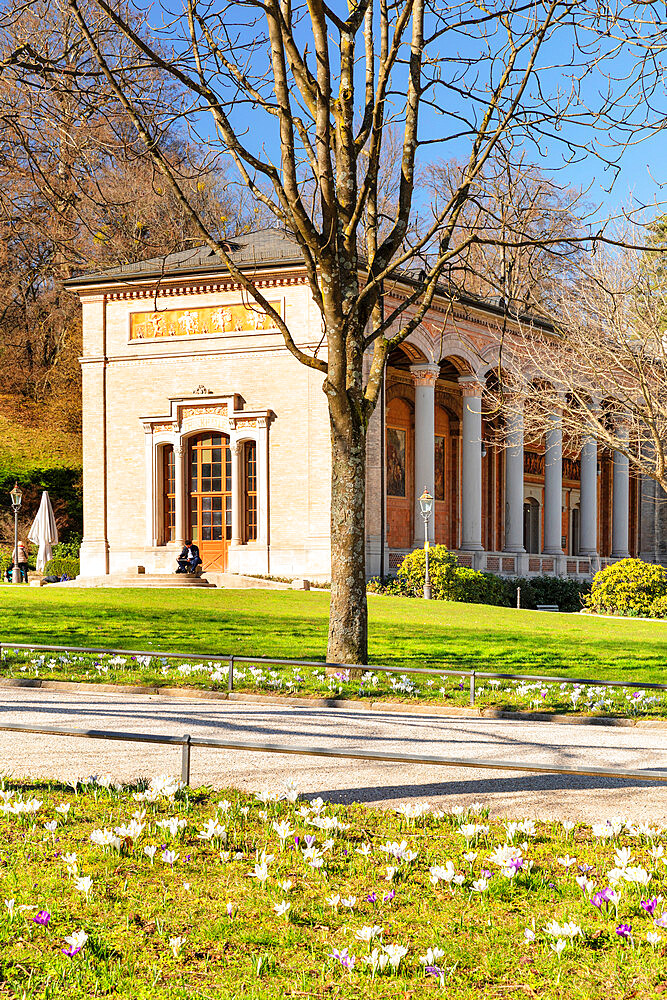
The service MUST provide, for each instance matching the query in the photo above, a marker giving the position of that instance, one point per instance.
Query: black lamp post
(426, 504)
(16, 496)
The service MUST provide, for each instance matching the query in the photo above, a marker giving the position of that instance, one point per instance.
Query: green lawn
(220, 895)
(403, 632)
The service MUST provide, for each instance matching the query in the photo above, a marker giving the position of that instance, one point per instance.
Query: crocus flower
(176, 943)
(653, 938)
(389, 896)
(42, 918)
(76, 943)
(624, 931)
(649, 905)
(435, 970)
(371, 897)
(282, 909)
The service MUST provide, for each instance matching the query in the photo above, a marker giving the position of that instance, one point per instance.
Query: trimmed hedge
(451, 582)
(631, 588)
(62, 564)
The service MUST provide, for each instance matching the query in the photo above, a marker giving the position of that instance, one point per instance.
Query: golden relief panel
(207, 321)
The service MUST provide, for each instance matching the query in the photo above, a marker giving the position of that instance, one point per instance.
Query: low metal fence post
(472, 688)
(230, 675)
(185, 760)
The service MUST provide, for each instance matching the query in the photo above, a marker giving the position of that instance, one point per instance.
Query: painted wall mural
(207, 321)
(395, 462)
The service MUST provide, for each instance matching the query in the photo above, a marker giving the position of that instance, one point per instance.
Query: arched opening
(531, 525)
(210, 497)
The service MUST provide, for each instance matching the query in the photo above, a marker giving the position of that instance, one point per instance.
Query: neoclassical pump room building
(198, 423)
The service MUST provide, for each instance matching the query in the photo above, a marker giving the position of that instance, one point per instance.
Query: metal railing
(187, 741)
(231, 659)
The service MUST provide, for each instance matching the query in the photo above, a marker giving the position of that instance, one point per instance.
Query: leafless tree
(73, 194)
(604, 367)
(324, 87)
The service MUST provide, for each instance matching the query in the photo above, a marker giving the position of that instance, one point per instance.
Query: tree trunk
(348, 617)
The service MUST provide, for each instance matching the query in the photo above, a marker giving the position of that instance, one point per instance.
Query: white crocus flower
(653, 938)
(438, 873)
(333, 901)
(567, 861)
(432, 955)
(349, 902)
(10, 904)
(286, 885)
(282, 909)
(261, 872)
(149, 851)
(364, 850)
(366, 934)
(481, 885)
(284, 830)
(623, 857)
(396, 953)
(176, 943)
(84, 884)
(559, 946)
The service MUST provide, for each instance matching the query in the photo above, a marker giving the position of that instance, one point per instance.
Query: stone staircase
(178, 581)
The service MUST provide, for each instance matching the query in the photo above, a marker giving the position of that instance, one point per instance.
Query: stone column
(620, 517)
(514, 478)
(180, 490)
(425, 378)
(553, 487)
(471, 498)
(588, 504)
(237, 485)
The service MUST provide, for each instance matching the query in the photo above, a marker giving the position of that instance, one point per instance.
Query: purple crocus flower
(296, 841)
(390, 895)
(585, 869)
(486, 873)
(309, 839)
(346, 960)
(371, 897)
(42, 918)
(603, 896)
(624, 931)
(434, 970)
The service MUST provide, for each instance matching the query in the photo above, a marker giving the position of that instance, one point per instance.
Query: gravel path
(510, 793)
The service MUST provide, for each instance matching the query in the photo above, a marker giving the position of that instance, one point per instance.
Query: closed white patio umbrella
(44, 532)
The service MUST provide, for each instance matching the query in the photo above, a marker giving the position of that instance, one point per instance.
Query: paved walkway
(511, 793)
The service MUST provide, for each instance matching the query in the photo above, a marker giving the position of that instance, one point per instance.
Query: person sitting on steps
(189, 558)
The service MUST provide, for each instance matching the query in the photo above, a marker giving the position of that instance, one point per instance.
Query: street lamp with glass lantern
(16, 496)
(426, 504)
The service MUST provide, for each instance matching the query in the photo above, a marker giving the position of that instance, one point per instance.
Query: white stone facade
(181, 373)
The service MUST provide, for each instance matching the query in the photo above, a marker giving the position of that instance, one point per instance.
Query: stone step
(178, 581)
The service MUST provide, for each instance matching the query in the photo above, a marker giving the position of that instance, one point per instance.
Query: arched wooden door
(210, 497)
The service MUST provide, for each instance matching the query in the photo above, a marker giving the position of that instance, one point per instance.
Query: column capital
(470, 385)
(426, 374)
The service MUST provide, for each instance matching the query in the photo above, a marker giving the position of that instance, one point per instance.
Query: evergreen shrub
(632, 588)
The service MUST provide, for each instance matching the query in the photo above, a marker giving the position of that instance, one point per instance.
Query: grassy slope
(291, 624)
(25, 446)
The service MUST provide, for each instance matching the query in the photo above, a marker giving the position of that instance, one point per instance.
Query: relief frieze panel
(201, 322)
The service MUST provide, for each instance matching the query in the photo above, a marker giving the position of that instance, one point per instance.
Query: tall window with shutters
(250, 491)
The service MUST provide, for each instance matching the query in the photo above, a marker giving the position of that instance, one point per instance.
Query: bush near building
(452, 582)
(632, 588)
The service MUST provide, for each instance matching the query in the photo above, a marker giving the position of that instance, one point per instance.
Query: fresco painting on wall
(395, 462)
